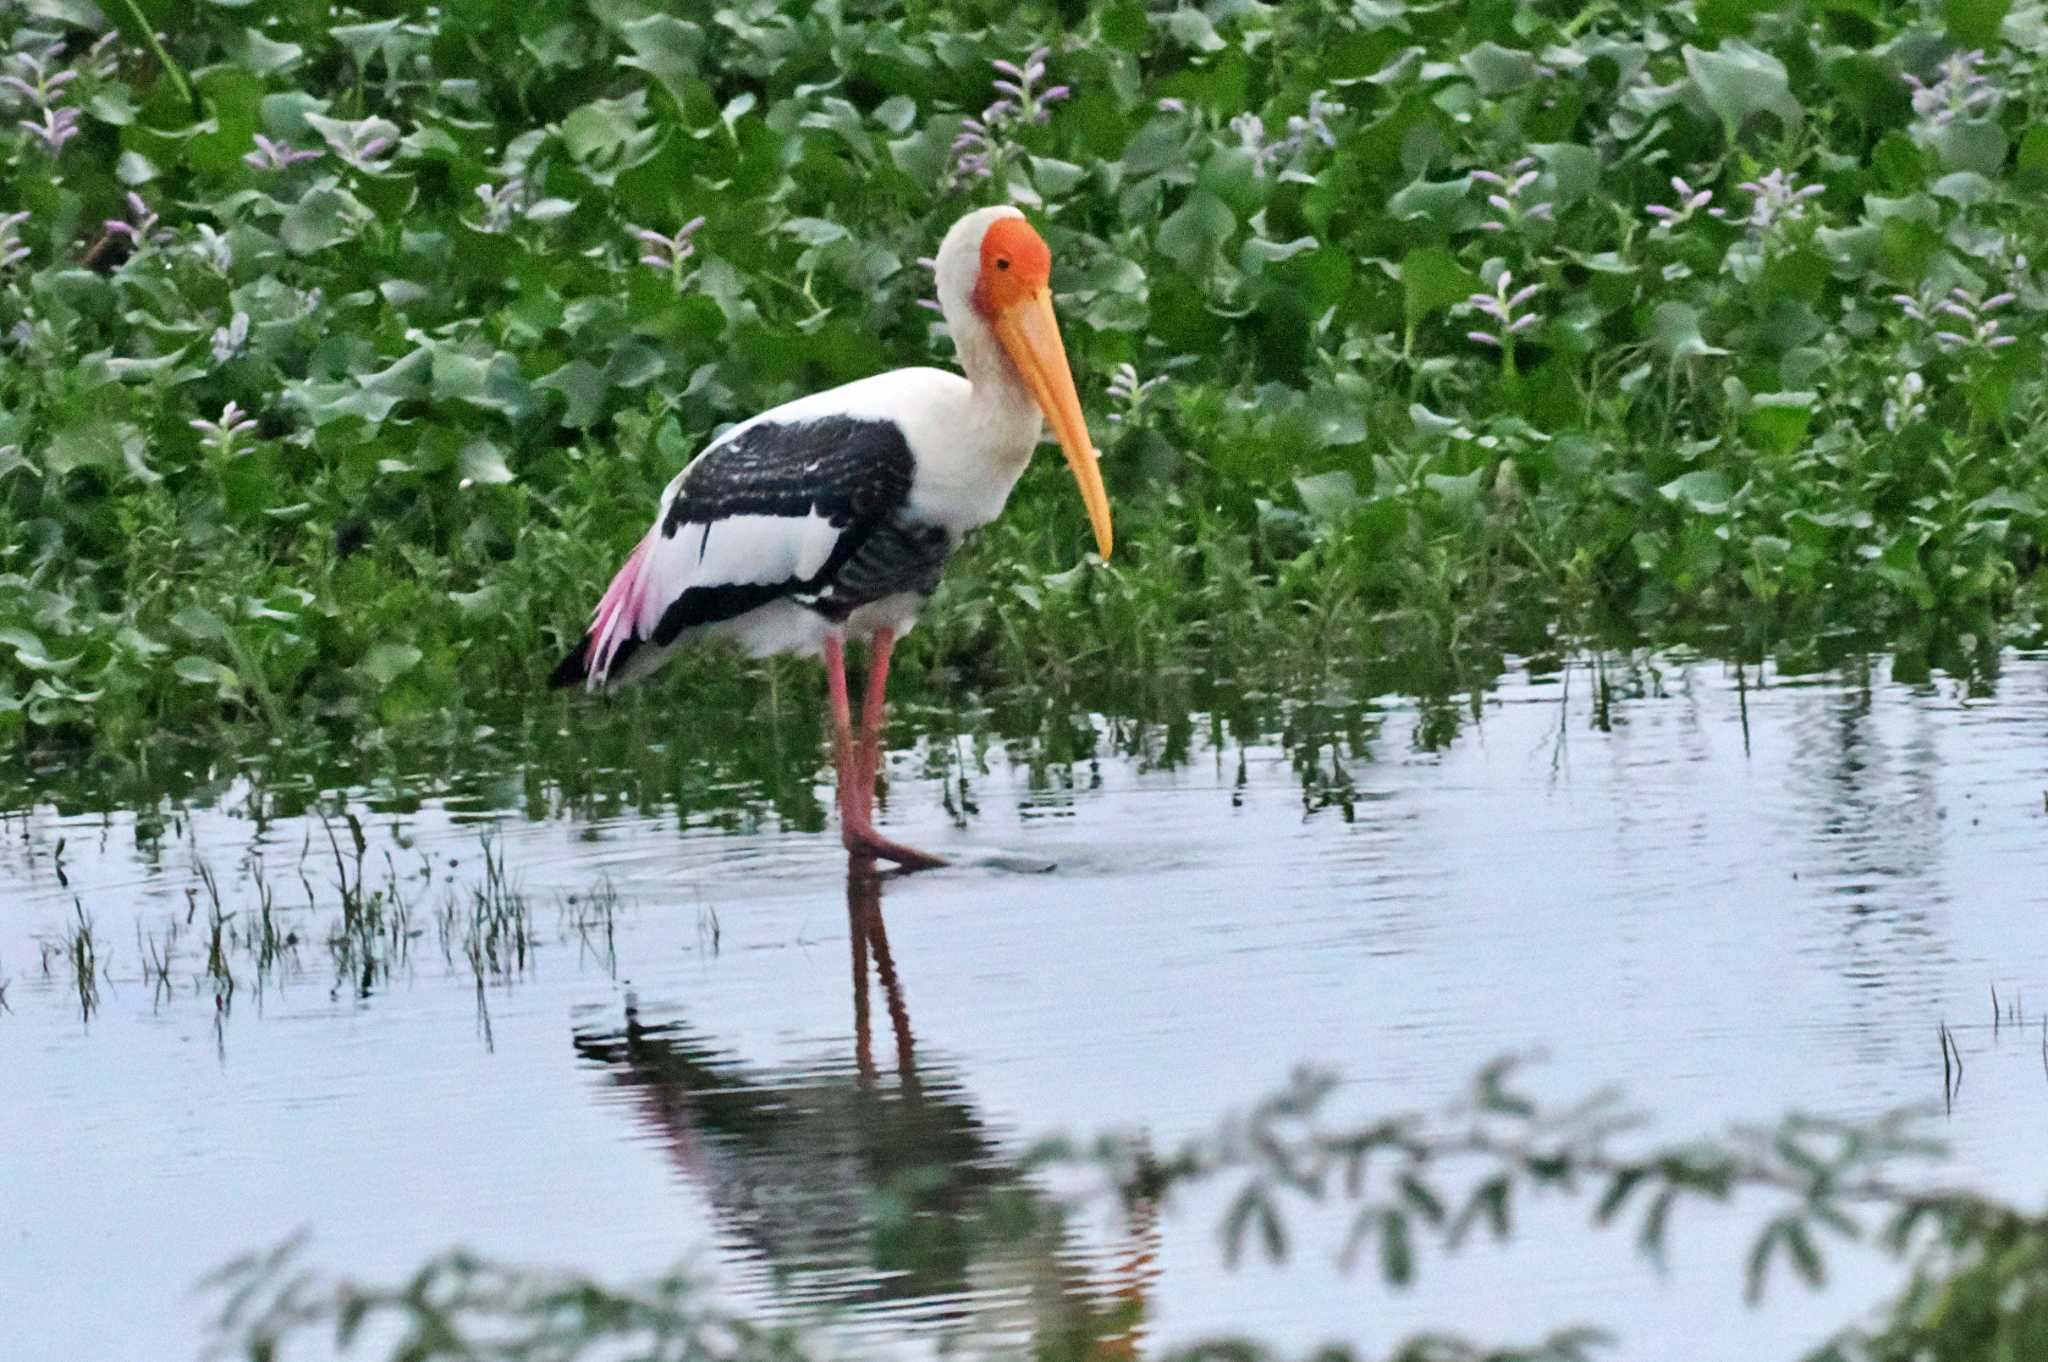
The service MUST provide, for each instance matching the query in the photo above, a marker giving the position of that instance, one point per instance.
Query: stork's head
(995, 278)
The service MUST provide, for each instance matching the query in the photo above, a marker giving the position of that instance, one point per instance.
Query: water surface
(704, 1043)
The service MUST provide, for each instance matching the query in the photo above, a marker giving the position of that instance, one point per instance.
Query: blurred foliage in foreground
(343, 351)
(1978, 1287)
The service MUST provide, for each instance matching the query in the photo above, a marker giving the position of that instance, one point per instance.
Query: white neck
(999, 389)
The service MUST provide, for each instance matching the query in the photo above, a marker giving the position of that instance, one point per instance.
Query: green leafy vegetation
(342, 354)
(1413, 1183)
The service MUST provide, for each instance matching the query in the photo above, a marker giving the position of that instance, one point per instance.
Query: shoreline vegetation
(340, 358)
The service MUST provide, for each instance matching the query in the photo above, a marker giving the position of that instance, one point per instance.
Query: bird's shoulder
(845, 453)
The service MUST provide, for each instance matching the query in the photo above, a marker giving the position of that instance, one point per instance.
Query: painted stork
(830, 518)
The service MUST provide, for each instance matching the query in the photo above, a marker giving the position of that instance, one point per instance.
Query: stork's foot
(862, 840)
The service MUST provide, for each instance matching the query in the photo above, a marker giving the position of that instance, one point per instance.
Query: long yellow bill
(1031, 334)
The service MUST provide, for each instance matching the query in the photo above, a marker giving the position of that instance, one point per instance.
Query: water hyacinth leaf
(204, 671)
(1738, 81)
(666, 48)
(1965, 187)
(1328, 496)
(1675, 332)
(1461, 492)
(1574, 170)
(1196, 229)
(2009, 501)
(1439, 202)
(1704, 490)
(895, 113)
(112, 446)
(1054, 178)
(324, 217)
(2033, 157)
(1191, 28)
(1433, 280)
(386, 662)
(1974, 144)
(1498, 70)
(483, 462)
(32, 653)
(1974, 23)
(583, 387)
(264, 55)
(197, 622)
(1780, 420)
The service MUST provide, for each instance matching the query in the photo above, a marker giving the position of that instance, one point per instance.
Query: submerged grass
(239, 938)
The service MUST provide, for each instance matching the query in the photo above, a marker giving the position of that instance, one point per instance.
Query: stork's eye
(1002, 264)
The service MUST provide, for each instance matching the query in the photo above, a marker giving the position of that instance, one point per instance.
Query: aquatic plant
(402, 247)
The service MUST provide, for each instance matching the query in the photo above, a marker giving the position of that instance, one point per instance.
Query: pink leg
(879, 649)
(856, 778)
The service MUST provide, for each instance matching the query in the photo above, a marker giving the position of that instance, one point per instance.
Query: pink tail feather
(614, 627)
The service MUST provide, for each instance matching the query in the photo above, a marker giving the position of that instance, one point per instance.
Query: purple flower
(221, 434)
(213, 248)
(1902, 404)
(502, 203)
(931, 265)
(1961, 92)
(228, 340)
(1506, 196)
(1315, 123)
(1501, 305)
(1124, 387)
(12, 251)
(984, 143)
(1265, 152)
(58, 127)
(668, 253)
(1776, 199)
(364, 144)
(33, 80)
(276, 156)
(142, 225)
(1979, 329)
(1690, 201)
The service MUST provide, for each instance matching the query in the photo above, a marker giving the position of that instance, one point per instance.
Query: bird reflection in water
(885, 1197)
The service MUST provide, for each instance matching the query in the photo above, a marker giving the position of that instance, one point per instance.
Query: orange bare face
(1014, 292)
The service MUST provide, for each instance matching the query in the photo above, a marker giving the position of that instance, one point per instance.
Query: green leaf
(583, 387)
(1191, 28)
(196, 621)
(1437, 201)
(483, 462)
(1675, 332)
(386, 662)
(1432, 280)
(2034, 152)
(666, 48)
(262, 54)
(30, 652)
(1328, 496)
(324, 217)
(1738, 81)
(1780, 420)
(204, 671)
(1498, 70)
(1977, 144)
(1703, 490)
(1196, 229)
(114, 446)
(1974, 23)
